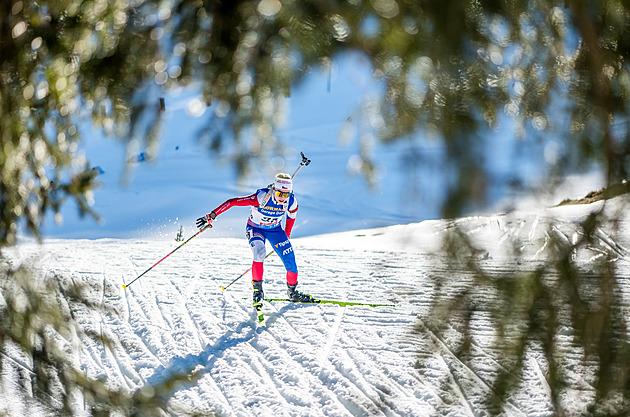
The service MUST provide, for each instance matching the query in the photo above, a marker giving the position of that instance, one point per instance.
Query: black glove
(206, 220)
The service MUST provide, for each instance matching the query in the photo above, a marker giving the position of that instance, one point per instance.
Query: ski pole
(240, 276)
(305, 161)
(173, 251)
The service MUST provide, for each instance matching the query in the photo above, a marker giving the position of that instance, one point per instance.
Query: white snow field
(310, 360)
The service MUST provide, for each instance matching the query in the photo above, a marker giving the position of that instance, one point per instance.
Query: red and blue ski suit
(265, 223)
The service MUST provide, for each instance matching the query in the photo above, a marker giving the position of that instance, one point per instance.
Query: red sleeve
(250, 200)
(289, 226)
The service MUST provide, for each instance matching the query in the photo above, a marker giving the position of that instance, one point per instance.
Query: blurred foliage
(452, 70)
(60, 62)
(561, 309)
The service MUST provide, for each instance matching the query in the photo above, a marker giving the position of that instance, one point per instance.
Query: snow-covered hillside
(310, 360)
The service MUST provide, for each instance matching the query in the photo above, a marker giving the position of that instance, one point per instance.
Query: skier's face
(281, 197)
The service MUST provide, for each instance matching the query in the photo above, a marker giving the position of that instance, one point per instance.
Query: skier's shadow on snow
(182, 371)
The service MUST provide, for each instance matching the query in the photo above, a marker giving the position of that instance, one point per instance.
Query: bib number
(268, 221)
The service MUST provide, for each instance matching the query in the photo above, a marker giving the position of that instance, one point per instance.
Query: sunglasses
(282, 194)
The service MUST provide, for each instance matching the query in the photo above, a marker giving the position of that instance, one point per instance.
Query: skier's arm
(250, 200)
(291, 214)
(289, 226)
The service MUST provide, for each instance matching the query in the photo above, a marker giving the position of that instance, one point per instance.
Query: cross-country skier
(269, 206)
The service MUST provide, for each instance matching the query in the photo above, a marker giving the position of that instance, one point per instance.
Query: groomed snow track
(310, 360)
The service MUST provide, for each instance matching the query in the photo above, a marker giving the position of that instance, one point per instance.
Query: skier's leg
(257, 271)
(257, 243)
(282, 245)
(292, 278)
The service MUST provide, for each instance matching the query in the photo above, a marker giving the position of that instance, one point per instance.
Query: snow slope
(311, 360)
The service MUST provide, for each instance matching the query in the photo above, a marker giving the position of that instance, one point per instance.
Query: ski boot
(298, 297)
(259, 295)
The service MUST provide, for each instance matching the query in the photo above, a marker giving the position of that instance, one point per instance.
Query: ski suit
(265, 223)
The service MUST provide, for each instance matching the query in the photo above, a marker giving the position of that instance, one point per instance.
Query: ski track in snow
(310, 360)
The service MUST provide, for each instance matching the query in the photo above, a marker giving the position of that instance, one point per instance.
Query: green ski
(336, 302)
(261, 317)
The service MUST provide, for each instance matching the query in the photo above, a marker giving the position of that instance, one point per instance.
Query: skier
(269, 206)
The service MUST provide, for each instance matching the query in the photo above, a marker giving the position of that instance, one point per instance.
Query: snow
(310, 360)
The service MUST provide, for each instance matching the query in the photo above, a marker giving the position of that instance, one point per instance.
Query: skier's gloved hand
(206, 220)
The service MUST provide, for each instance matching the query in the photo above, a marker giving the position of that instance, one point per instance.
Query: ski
(336, 302)
(261, 317)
